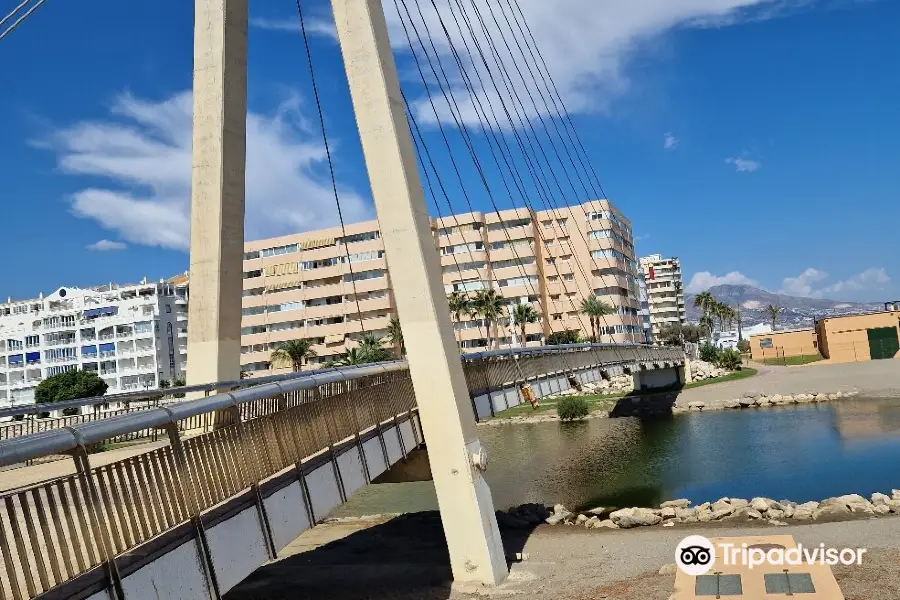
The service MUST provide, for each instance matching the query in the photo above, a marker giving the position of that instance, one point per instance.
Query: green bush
(709, 353)
(69, 386)
(743, 346)
(569, 336)
(571, 408)
(729, 359)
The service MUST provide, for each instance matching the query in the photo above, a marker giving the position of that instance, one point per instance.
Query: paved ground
(881, 377)
(405, 558)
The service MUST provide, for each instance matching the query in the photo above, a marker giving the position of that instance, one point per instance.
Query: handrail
(67, 439)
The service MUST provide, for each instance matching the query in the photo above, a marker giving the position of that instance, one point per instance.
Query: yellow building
(781, 344)
(859, 337)
(329, 286)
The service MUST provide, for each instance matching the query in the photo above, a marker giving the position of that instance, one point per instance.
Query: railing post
(99, 527)
(189, 499)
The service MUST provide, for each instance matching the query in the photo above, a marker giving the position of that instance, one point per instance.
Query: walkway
(880, 377)
(404, 559)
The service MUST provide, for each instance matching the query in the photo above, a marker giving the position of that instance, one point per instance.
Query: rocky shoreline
(748, 400)
(775, 512)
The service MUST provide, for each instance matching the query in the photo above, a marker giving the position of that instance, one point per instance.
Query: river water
(799, 452)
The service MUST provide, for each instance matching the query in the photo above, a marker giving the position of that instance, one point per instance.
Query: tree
(729, 359)
(773, 312)
(489, 305)
(371, 349)
(293, 352)
(558, 338)
(460, 305)
(178, 382)
(523, 314)
(69, 386)
(674, 334)
(705, 302)
(164, 384)
(595, 309)
(395, 336)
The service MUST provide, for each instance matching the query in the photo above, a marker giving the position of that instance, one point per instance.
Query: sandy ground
(875, 377)
(405, 558)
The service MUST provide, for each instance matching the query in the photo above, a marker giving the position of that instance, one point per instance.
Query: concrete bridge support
(457, 459)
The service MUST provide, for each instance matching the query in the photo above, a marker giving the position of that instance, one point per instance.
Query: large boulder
(775, 513)
(879, 499)
(696, 405)
(737, 503)
(605, 524)
(747, 402)
(732, 404)
(705, 515)
(882, 509)
(760, 504)
(842, 506)
(680, 503)
(667, 512)
(687, 512)
(721, 504)
(749, 394)
(805, 511)
(634, 517)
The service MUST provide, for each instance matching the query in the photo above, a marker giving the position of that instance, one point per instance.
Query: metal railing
(89, 523)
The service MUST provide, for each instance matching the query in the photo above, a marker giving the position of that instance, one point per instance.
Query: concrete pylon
(455, 453)
(217, 190)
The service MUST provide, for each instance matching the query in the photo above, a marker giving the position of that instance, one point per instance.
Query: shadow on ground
(404, 558)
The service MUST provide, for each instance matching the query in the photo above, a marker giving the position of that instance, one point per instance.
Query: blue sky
(754, 139)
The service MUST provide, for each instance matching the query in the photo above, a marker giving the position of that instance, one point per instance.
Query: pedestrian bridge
(193, 518)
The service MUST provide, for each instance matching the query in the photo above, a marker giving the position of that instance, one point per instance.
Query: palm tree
(773, 311)
(460, 305)
(488, 304)
(395, 336)
(372, 349)
(523, 314)
(705, 302)
(295, 352)
(596, 309)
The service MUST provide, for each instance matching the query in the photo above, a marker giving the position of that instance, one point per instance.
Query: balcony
(106, 336)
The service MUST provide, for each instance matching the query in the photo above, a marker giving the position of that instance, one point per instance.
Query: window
(465, 266)
(513, 262)
(290, 268)
(32, 340)
(362, 256)
(569, 277)
(252, 330)
(168, 308)
(509, 224)
(359, 237)
(512, 244)
(318, 264)
(472, 285)
(254, 292)
(253, 274)
(765, 343)
(551, 261)
(364, 275)
(719, 585)
(461, 248)
(253, 310)
(278, 250)
(547, 224)
(285, 306)
(251, 255)
(789, 583)
(562, 222)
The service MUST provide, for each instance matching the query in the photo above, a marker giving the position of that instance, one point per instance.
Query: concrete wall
(846, 339)
(778, 344)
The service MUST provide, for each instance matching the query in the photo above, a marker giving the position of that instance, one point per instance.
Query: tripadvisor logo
(695, 555)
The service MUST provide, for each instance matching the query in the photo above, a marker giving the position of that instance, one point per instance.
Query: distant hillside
(798, 311)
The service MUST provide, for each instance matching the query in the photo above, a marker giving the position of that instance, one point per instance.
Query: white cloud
(105, 245)
(670, 142)
(743, 165)
(810, 283)
(704, 280)
(802, 284)
(317, 26)
(143, 152)
(588, 45)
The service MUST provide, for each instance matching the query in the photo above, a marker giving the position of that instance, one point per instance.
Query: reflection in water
(795, 452)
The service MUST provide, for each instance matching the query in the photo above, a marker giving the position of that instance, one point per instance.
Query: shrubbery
(571, 408)
(709, 353)
(743, 346)
(729, 359)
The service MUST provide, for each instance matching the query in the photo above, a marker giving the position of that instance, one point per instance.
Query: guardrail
(88, 525)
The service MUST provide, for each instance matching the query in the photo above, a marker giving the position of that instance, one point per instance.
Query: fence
(89, 524)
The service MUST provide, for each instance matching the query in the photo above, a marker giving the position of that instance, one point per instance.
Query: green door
(883, 342)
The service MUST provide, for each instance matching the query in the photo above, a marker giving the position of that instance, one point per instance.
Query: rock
(747, 402)
(669, 524)
(722, 504)
(559, 508)
(833, 396)
(788, 512)
(749, 394)
(669, 569)
(667, 513)
(599, 511)
(831, 507)
(556, 519)
(805, 511)
(882, 509)
(879, 499)
(634, 517)
(788, 399)
(894, 503)
(721, 513)
(895, 494)
(737, 503)
(777, 399)
(704, 506)
(581, 519)
(732, 404)
(691, 519)
(704, 516)
(760, 504)
(763, 402)
(605, 524)
(696, 405)
(680, 503)
(591, 522)
(777, 523)
(684, 513)
(775, 513)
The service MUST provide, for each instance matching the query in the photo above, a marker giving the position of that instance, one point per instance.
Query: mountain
(797, 311)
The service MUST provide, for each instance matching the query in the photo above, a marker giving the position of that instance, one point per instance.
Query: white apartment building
(644, 298)
(665, 291)
(133, 336)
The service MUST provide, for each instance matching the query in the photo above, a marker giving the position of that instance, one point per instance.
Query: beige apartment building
(665, 291)
(331, 286)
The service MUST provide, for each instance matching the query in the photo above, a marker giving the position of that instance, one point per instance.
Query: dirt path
(880, 377)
